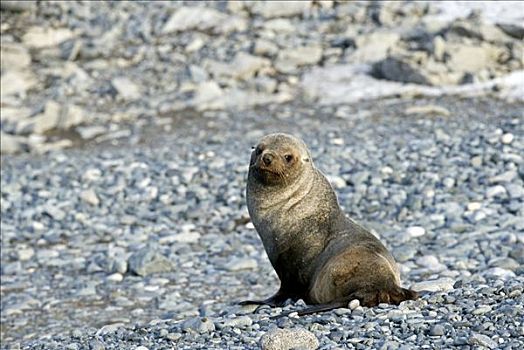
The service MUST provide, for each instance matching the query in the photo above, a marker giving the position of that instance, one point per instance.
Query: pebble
(416, 231)
(507, 138)
(90, 197)
(353, 304)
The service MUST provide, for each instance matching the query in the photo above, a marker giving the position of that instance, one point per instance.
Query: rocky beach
(126, 130)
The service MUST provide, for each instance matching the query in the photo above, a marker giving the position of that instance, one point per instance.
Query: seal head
(279, 159)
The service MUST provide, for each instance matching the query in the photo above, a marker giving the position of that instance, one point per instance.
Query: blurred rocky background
(126, 130)
(76, 72)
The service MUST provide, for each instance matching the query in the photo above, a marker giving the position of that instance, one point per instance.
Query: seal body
(319, 254)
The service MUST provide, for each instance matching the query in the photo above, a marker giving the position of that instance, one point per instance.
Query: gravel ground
(149, 245)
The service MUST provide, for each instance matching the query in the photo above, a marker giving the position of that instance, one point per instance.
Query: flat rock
(14, 82)
(90, 197)
(439, 285)
(482, 340)
(244, 66)
(10, 144)
(203, 19)
(126, 88)
(299, 56)
(272, 9)
(238, 264)
(41, 37)
(14, 56)
(286, 339)
(373, 47)
(148, 261)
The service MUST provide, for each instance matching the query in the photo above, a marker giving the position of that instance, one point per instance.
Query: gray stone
(199, 325)
(482, 340)
(208, 96)
(299, 56)
(437, 330)
(271, 9)
(513, 30)
(55, 212)
(239, 322)
(126, 88)
(374, 46)
(496, 191)
(506, 176)
(148, 261)
(203, 19)
(286, 339)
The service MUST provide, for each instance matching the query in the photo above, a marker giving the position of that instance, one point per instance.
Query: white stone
(39, 36)
(126, 88)
(271, 9)
(115, 277)
(203, 19)
(438, 285)
(495, 191)
(353, 304)
(416, 231)
(472, 206)
(16, 82)
(10, 144)
(14, 56)
(507, 138)
(238, 264)
(89, 196)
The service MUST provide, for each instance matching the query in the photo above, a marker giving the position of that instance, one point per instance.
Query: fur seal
(319, 254)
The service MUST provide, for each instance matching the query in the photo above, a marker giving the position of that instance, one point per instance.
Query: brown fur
(319, 254)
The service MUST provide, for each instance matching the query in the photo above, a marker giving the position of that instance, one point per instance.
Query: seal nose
(267, 158)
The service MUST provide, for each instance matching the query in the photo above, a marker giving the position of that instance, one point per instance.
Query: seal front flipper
(274, 301)
(315, 308)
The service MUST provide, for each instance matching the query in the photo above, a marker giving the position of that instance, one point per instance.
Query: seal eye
(258, 151)
(288, 158)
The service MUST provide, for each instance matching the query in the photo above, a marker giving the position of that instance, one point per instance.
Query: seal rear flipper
(394, 295)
